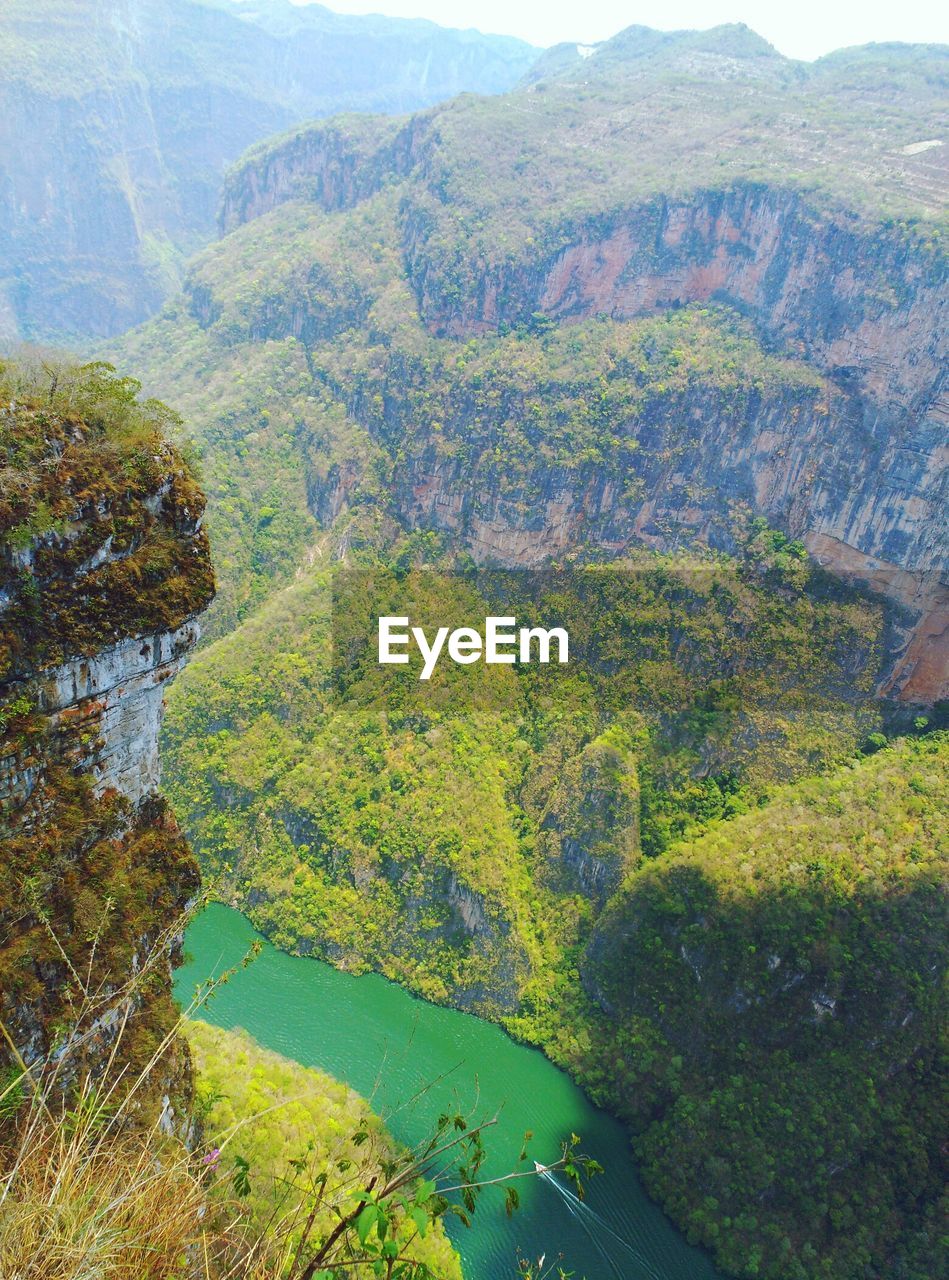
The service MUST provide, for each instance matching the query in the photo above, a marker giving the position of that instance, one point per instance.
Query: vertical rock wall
(103, 569)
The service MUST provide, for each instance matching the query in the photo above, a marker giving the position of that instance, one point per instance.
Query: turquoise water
(388, 1046)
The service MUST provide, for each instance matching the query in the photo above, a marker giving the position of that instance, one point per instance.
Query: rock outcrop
(499, 226)
(104, 567)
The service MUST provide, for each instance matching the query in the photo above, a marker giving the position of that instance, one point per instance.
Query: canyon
(858, 474)
(118, 119)
(667, 320)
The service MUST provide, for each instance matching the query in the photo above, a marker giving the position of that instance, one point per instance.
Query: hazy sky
(799, 28)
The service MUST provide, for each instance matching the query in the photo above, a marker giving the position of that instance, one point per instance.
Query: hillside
(426, 832)
(292, 344)
(732, 965)
(653, 343)
(107, 1133)
(780, 971)
(277, 1116)
(119, 117)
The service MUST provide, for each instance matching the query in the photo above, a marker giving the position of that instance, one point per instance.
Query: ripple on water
(389, 1046)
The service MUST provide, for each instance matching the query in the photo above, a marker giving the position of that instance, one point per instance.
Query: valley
(639, 353)
(687, 392)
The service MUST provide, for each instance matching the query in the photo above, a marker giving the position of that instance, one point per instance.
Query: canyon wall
(860, 475)
(118, 119)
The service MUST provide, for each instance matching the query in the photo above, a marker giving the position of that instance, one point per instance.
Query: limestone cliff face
(859, 474)
(867, 489)
(866, 503)
(103, 568)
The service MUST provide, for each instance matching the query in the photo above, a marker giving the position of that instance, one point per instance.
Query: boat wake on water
(601, 1233)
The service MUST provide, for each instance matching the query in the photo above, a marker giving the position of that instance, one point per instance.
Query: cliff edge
(104, 567)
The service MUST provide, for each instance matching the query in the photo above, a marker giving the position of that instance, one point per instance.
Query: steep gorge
(119, 118)
(588, 327)
(863, 483)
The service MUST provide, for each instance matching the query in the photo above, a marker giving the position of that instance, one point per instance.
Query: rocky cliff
(119, 117)
(499, 226)
(103, 569)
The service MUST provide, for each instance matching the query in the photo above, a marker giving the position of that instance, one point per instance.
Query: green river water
(387, 1045)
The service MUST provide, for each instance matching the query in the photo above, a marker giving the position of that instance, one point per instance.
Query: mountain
(587, 200)
(119, 117)
(114, 1116)
(665, 325)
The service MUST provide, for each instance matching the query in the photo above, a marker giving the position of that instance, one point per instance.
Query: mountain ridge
(118, 118)
(502, 216)
(600, 330)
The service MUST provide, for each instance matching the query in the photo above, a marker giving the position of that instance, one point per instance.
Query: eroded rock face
(113, 702)
(110, 167)
(862, 477)
(859, 474)
(866, 499)
(104, 566)
(863, 303)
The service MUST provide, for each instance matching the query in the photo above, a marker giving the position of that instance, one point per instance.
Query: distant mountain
(119, 117)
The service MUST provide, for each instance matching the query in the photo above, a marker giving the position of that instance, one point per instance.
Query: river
(388, 1045)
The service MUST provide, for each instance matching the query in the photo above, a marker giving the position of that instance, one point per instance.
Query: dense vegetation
(781, 971)
(677, 866)
(766, 957)
(99, 543)
(356, 822)
(98, 516)
(288, 1138)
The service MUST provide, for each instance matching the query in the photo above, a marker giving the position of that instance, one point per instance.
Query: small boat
(540, 1168)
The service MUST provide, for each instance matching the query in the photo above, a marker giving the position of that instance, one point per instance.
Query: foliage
(88, 1190)
(785, 964)
(388, 394)
(324, 1191)
(99, 516)
(288, 1140)
(428, 832)
(92, 1182)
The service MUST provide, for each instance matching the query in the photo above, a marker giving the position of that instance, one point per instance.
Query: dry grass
(85, 1200)
(92, 1186)
(95, 1185)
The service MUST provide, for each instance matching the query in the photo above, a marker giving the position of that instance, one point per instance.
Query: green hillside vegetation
(354, 825)
(582, 854)
(775, 986)
(284, 1129)
(320, 371)
(649, 114)
(756, 997)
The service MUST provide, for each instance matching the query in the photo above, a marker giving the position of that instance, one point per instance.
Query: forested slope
(666, 322)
